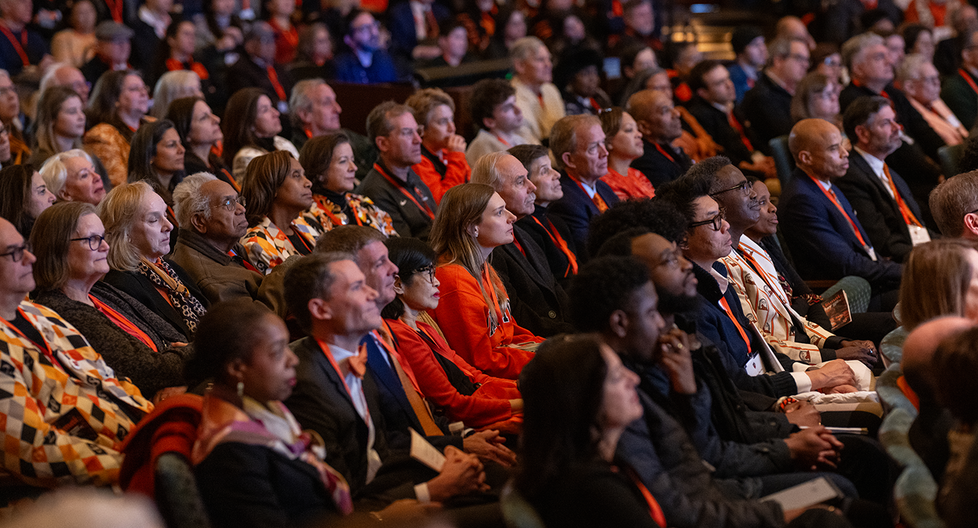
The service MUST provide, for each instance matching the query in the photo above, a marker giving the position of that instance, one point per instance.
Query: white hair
(188, 200)
(55, 173)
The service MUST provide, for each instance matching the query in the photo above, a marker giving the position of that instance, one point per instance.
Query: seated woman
(276, 192)
(944, 269)
(474, 309)
(23, 197)
(578, 77)
(443, 163)
(817, 95)
(138, 234)
(75, 44)
(69, 243)
(174, 85)
(461, 390)
(116, 108)
(328, 162)
(581, 398)
(71, 177)
(313, 54)
(156, 157)
(251, 124)
(200, 132)
(625, 144)
(60, 124)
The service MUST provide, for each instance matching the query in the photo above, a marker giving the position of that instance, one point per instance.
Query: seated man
(536, 96)
(391, 183)
(881, 199)
(366, 62)
(112, 48)
(954, 204)
(65, 412)
(414, 27)
(823, 233)
(257, 68)
(578, 146)
(918, 78)
(64, 74)
(658, 119)
(767, 106)
(538, 302)
(748, 45)
(499, 119)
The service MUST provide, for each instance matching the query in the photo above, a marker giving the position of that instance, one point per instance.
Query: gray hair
(49, 76)
(54, 171)
(171, 86)
(781, 47)
(524, 47)
(909, 69)
(485, 171)
(188, 200)
(852, 49)
(951, 200)
(301, 100)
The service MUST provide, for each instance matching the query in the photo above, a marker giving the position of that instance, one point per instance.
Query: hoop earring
(240, 389)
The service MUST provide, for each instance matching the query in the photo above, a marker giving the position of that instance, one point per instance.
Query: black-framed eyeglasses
(94, 241)
(428, 270)
(231, 202)
(744, 187)
(716, 221)
(16, 254)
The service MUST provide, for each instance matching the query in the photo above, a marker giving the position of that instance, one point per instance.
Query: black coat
(555, 258)
(715, 122)
(408, 219)
(657, 167)
(577, 209)
(767, 109)
(144, 291)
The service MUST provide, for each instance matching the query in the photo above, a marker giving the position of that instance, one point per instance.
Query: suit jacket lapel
(334, 377)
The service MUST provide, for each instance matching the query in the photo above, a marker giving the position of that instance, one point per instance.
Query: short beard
(670, 304)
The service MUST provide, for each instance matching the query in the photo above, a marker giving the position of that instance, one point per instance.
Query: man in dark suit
(337, 398)
(112, 50)
(659, 122)
(578, 146)
(406, 18)
(767, 106)
(257, 68)
(821, 228)
(538, 302)
(391, 184)
(881, 199)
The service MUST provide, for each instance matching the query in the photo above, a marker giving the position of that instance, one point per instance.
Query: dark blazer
(908, 116)
(249, 485)
(144, 291)
(947, 56)
(715, 122)
(94, 69)
(877, 211)
(958, 95)
(539, 304)
(555, 258)
(245, 73)
(144, 44)
(657, 167)
(767, 111)
(576, 209)
(408, 219)
(400, 22)
(822, 241)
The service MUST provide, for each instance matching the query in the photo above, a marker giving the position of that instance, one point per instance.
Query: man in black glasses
(65, 412)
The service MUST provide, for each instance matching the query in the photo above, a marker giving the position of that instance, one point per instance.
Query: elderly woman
(464, 392)
(23, 197)
(817, 96)
(60, 123)
(251, 124)
(443, 163)
(918, 78)
(71, 177)
(277, 192)
(624, 142)
(115, 110)
(474, 310)
(69, 243)
(157, 158)
(200, 132)
(138, 234)
(328, 160)
(174, 85)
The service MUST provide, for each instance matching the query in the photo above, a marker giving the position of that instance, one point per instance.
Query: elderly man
(960, 89)
(315, 112)
(538, 302)
(823, 232)
(391, 183)
(881, 199)
(767, 106)
(64, 74)
(660, 123)
(918, 78)
(578, 146)
(72, 177)
(112, 49)
(536, 96)
(947, 55)
(954, 204)
(65, 412)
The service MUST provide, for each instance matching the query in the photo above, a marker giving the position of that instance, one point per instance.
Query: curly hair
(656, 215)
(601, 287)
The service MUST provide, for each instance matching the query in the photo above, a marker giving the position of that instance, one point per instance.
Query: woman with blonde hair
(474, 310)
(138, 234)
(939, 278)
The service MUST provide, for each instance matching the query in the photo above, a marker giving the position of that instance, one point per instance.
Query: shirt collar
(875, 164)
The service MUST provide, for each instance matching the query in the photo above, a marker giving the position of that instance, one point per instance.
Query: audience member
(512, 24)
(59, 126)
(918, 78)
(683, 56)
(947, 56)
(957, 88)
(919, 40)
(751, 55)
(71, 251)
(171, 86)
(15, 123)
(474, 311)
(537, 98)
(71, 177)
(497, 117)
(75, 45)
(578, 146)
(61, 390)
(200, 133)
(116, 109)
(659, 122)
(276, 192)
(954, 204)
(625, 145)
(176, 53)
(944, 268)
(251, 128)
(113, 47)
(150, 23)
(414, 28)
(257, 68)
(767, 106)
(895, 47)
(64, 74)
(278, 13)
(23, 196)
(157, 158)
(391, 183)
(25, 50)
(366, 61)
(314, 55)
(443, 164)
(578, 78)
(794, 28)
(138, 235)
(453, 45)
(817, 96)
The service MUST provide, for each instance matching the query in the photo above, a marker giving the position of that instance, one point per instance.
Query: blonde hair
(54, 171)
(424, 102)
(118, 211)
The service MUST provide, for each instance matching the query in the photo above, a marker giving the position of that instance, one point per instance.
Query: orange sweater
(457, 171)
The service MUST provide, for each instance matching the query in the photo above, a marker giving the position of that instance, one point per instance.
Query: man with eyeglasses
(65, 412)
(64, 74)
(826, 238)
(391, 183)
(366, 61)
(918, 78)
(113, 45)
(767, 106)
(960, 89)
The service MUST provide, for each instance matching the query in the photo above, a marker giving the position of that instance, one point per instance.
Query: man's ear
(971, 223)
(862, 134)
(383, 143)
(619, 323)
(489, 122)
(643, 127)
(198, 222)
(805, 158)
(319, 309)
(566, 157)
(519, 67)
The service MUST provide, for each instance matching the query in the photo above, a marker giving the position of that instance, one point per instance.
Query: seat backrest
(892, 344)
(783, 161)
(915, 490)
(517, 512)
(890, 393)
(177, 496)
(950, 159)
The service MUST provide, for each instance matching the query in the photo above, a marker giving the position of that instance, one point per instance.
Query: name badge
(918, 235)
(755, 366)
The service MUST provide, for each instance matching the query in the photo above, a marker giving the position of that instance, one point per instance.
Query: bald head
(656, 115)
(919, 348)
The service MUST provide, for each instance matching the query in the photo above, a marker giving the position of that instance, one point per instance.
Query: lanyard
(115, 9)
(740, 130)
(740, 329)
(860, 85)
(244, 261)
(19, 47)
(501, 140)
(392, 352)
(908, 216)
(663, 152)
(655, 511)
(968, 79)
(291, 36)
(42, 346)
(597, 200)
(123, 322)
(831, 196)
(332, 361)
(561, 245)
(273, 77)
(424, 208)
(772, 282)
(234, 183)
(301, 236)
